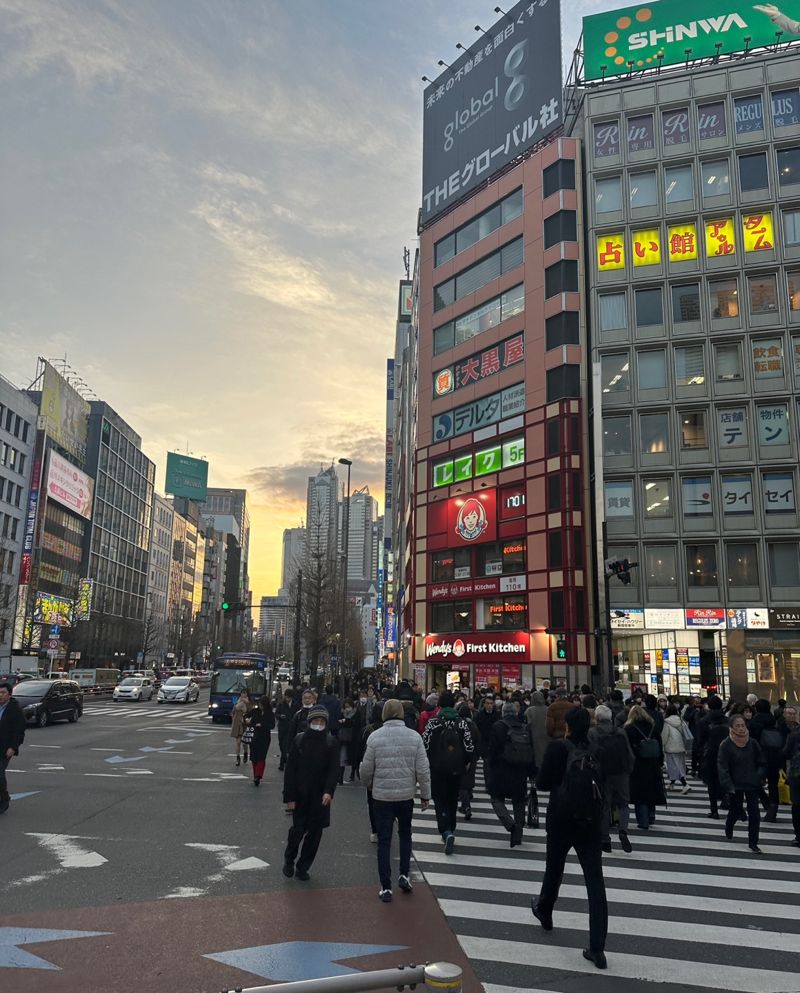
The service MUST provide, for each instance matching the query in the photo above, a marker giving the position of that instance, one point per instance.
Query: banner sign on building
(660, 34)
(389, 455)
(30, 523)
(187, 477)
(65, 413)
(70, 487)
(480, 366)
(627, 619)
(705, 617)
(480, 413)
(472, 518)
(785, 618)
(49, 609)
(85, 594)
(480, 647)
(488, 586)
(461, 468)
(502, 96)
(747, 618)
(405, 301)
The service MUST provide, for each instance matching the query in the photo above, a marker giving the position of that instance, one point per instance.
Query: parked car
(44, 700)
(134, 688)
(179, 689)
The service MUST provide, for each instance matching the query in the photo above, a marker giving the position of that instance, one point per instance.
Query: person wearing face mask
(742, 767)
(349, 738)
(300, 719)
(312, 769)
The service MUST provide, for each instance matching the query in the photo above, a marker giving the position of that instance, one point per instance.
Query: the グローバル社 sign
(499, 98)
(480, 647)
(653, 34)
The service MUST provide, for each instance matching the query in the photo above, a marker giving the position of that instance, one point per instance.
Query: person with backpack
(574, 820)
(612, 750)
(467, 787)
(675, 738)
(450, 748)
(646, 781)
(429, 710)
(742, 768)
(511, 764)
(791, 756)
(764, 729)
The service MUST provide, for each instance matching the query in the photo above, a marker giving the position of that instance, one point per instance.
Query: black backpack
(611, 752)
(771, 740)
(580, 795)
(447, 752)
(649, 747)
(518, 750)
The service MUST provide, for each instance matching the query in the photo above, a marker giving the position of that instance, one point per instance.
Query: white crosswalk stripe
(688, 910)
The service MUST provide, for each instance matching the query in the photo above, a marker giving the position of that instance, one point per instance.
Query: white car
(134, 688)
(178, 689)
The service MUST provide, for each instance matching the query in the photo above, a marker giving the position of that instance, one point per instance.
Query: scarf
(739, 737)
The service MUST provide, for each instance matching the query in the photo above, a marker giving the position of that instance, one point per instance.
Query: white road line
(43, 746)
(68, 852)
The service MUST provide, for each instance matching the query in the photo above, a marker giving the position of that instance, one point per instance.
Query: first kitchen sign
(479, 647)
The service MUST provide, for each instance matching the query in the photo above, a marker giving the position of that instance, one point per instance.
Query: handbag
(688, 737)
(784, 791)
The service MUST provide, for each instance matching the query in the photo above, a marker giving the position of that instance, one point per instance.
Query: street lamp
(345, 546)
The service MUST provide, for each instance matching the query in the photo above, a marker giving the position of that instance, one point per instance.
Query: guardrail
(441, 976)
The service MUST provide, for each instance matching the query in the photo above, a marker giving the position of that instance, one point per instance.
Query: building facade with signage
(693, 228)
(159, 565)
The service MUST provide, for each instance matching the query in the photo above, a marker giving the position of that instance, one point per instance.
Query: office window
(450, 565)
(791, 227)
(558, 176)
(444, 294)
(693, 429)
(777, 492)
(479, 227)
(608, 195)
(784, 563)
(563, 381)
(452, 616)
(658, 498)
(560, 227)
(737, 495)
(508, 613)
(652, 369)
(789, 166)
(753, 172)
(724, 298)
(482, 318)
(763, 294)
(562, 329)
(613, 311)
(678, 184)
(554, 492)
(501, 558)
(445, 249)
(649, 307)
(690, 365)
(617, 435)
(742, 564)
(767, 358)
(616, 372)
(716, 179)
(475, 276)
(660, 564)
(654, 433)
(785, 108)
(562, 277)
(643, 189)
(555, 550)
(641, 134)
(675, 127)
(773, 425)
(701, 565)
(793, 286)
(728, 362)
(748, 113)
(619, 499)
(686, 303)
(697, 501)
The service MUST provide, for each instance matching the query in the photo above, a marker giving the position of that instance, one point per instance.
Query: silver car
(178, 689)
(134, 688)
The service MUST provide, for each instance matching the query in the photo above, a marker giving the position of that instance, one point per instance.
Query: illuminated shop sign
(479, 366)
(461, 468)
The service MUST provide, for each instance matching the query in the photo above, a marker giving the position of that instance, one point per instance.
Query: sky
(204, 206)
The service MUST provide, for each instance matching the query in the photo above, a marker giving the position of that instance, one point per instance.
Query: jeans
(444, 790)
(385, 813)
(645, 814)
(738, 800)
(371, 810)
(499, 807)
(612, 804)
(590, 857)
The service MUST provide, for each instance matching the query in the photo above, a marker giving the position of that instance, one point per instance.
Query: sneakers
(685, 789)
(288, 869)
(546, 920)
(625, 842)
(405, 884)
(373, 838)
(238, 760)
(449, 843)
(385, 896)
(599, 958)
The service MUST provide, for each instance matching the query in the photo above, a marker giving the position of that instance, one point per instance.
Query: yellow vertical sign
(758, 234)
(720, 238)
(610, 252)
(646, 247)
(682, 242)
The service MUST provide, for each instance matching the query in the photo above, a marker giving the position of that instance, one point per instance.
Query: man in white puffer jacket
(394, 762)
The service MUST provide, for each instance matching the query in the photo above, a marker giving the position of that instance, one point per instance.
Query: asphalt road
(135, 828)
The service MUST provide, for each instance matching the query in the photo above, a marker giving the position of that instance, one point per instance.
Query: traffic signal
(561, 648)
(226, 605)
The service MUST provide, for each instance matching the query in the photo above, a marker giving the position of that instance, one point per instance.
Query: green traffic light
(226, 605)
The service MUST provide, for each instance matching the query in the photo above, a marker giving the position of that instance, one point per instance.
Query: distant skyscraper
(363, 515)
(294, 548)
(223, 503)
(322, 517)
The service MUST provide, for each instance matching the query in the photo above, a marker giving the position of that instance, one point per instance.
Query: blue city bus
(232, 673)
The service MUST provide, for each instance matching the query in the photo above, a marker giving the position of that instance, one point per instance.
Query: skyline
(209, 213)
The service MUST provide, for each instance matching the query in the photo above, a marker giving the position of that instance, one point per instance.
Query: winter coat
(714, 730)
(298, 724)
(262, 724)
(758, 724)
(435, 727)
(554, 722)
(672, 735)
(741, 768)
(657, 717)
(284, 714)
(536, 719)
(550, 777)
(394, 762)
(12, 727)
(620, 712)
(507, 781)
(647, 784)
(350, 736)
(792, 745)
(485, 721)
(425, 716)
(238, 715)
(617, 784)
(331, 703)
(312, 769)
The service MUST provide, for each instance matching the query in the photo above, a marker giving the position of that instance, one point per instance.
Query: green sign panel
(462, 468)
(648, 35)
(186, 477)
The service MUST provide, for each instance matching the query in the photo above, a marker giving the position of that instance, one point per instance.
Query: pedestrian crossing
(146, 713)
(688, 910)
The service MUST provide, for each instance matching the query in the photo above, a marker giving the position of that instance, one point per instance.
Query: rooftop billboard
(187, 477)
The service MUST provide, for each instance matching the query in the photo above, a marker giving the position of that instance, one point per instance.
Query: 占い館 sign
(660, 34)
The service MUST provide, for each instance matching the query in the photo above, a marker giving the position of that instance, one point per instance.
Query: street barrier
(442, 976)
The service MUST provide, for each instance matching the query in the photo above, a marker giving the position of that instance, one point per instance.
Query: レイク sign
(659, 34)
(479, 647)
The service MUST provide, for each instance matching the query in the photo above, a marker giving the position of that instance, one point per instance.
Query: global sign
(670, 32)
(497, 100)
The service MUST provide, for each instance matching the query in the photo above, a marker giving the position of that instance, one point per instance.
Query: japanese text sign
(480, 366)
(610, 252)
(758, 234)
(646, 247)
(682, 242)
(720, 238)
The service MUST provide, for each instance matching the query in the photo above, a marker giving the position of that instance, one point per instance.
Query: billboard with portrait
(65, 413)
(502, 96)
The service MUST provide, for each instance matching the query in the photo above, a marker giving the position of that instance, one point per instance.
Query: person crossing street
(12, 734)
(450, 748)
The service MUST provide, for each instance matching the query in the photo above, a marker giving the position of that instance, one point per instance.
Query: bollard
(443, 976)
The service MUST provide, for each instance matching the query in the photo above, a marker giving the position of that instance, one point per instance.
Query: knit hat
(316, 712)
(509, 709)
(393, 711)
(432, 699)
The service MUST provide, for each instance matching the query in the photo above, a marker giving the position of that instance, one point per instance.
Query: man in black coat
(284, 712)
(312, 770)
(12, 734)
(511, 764)
(712, 730)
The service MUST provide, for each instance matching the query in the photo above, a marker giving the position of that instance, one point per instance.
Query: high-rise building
(276, 626)
(17, 441)
(322, 517)
(158, 583)
(222, 504)
(294, 550)
(362, 517)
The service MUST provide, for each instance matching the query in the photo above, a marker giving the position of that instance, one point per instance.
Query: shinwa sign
(643, 37)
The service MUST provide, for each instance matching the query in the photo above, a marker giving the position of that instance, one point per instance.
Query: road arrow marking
(293, 961)
(69, 854)
(119, 759)
(249, 863)
(14, 957)
(21, 796)
(149, 748)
